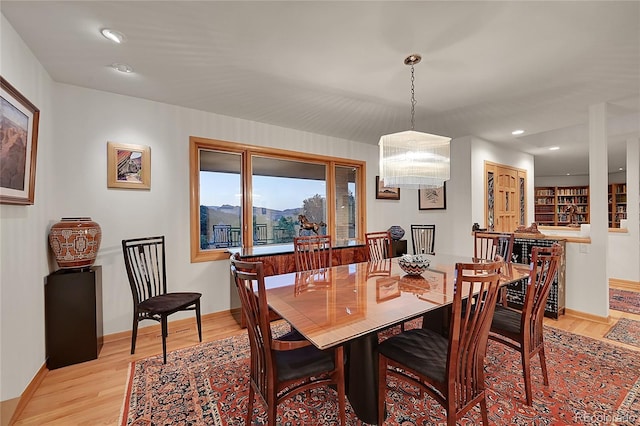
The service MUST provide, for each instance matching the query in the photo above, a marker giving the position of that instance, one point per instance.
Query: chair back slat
(423, 239)
(378, 245)
(312, 252)
(544, 267)
(145, 264)
(469, 328)
(249, 280)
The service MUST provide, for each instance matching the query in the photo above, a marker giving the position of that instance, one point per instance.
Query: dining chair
(522, 329)
(449, 369)
(288, 365)
(312, 252)
(378, 245)
(490, 246)
(144, 260)
(423, 239)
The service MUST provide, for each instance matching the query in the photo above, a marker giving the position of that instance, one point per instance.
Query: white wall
(23, 231)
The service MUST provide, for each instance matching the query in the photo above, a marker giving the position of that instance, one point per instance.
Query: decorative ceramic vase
(396, 232)
(75, 242)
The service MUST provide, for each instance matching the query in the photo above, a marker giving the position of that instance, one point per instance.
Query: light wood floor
(91, 393)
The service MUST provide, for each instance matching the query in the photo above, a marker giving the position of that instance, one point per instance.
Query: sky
(270, 192)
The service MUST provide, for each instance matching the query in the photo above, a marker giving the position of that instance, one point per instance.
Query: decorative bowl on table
(413, 264)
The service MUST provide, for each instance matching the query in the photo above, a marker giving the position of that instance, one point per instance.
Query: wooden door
(505, 202)
(507, 207)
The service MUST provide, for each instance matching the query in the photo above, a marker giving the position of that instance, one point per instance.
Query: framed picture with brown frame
(128, 166)
(386, 192)
(19, 120)
(433, 198)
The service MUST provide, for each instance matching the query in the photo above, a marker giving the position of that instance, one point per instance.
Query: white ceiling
(336, 68)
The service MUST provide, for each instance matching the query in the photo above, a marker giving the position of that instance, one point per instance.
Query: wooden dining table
(349, 304)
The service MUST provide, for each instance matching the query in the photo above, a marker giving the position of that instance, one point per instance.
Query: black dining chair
(449, 369)
(522, 329)
(144, 260)
(281, 367)
(423, 239)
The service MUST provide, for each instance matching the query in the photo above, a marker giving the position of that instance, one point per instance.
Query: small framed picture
(386, 192)
(128, 166)
(433, 198)
(19, 133)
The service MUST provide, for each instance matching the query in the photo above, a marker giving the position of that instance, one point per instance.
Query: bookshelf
(545, 205)
(617, 204)
(551, 203)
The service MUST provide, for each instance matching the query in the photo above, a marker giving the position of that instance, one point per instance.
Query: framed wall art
(386, 192)
(433, 198)
(19, 141)
(128, 166)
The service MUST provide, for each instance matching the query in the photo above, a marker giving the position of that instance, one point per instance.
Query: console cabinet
(73, 316)
(522, 248)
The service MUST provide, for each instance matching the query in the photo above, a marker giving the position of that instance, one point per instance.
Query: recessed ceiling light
(517, 132)
(621, 168)
(554, 148)
(113, 35)
(568, 174)
(122, 67)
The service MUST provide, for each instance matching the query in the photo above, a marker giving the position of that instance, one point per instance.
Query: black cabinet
(398, 247)
(522, 254)
(73, 316)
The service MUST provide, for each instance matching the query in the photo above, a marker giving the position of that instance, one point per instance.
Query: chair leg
(198, 320)
(543, 365)
(526, 372)
(272, 410)
(484, 412)
(163, 320)
(250, 405)
(134, 333)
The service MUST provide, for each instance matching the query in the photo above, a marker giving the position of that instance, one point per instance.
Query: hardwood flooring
(91, 393)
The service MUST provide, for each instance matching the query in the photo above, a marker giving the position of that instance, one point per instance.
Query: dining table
(351, 304)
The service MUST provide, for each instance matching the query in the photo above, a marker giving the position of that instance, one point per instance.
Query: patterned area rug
(626, 331)
(591, 383)
(623, 300)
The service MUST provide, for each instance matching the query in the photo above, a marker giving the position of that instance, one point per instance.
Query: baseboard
(586, 316)
(624, 284)
(18, 406)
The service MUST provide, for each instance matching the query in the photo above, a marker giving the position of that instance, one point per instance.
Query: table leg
(362, 377)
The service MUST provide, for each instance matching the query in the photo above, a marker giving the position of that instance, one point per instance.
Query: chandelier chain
(413, 99)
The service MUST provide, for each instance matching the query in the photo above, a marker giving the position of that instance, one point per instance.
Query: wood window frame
(247, 151)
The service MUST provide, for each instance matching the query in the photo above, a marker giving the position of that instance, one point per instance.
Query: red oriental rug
(591, 383)
(623, 300)
(626, 331)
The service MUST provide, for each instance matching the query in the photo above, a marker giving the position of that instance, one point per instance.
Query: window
(247, 196)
